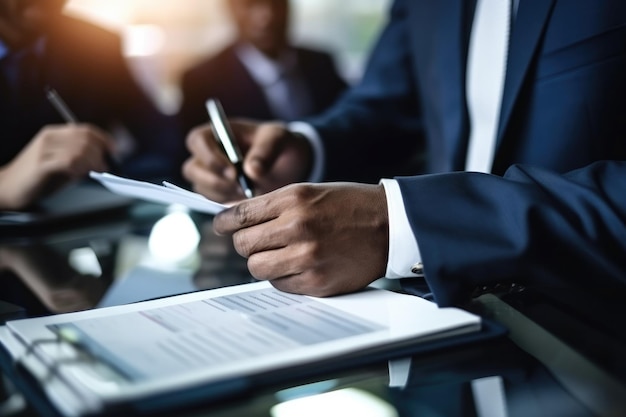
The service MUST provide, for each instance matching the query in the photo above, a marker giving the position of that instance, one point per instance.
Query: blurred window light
(112, 14)
(166, 38)
(343, 402)
(143, 40)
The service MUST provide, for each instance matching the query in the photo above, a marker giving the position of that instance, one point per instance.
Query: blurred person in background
(261, 75)
(40, 152)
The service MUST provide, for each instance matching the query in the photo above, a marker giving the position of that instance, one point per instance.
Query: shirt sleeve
(404, 258)
(319, 156)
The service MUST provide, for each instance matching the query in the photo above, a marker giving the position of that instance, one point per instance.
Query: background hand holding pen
(55, 157)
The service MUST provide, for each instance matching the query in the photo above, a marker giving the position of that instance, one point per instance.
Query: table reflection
(177, 253)
(49, 276)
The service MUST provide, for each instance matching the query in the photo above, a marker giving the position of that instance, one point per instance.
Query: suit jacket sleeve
(532, 227)
(381, 108)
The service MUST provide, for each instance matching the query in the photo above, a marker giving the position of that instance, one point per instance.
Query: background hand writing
(55, 157)
(273, 157)
(314, 239)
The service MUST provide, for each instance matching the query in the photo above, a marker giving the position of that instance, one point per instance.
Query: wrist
(383, 222)
(305, 152)
(315, 148)
(6, 202)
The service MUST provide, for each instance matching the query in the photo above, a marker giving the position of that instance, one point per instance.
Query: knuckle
(286, 285)
(241, 214)
(195, 136)
(302, 196)
(188, 169)
(313, 250)
(302, 225)
(300, 192)
(242, 244)
(271, 129)
(306, 283)
(256, 269)
(295, 227)
(46, 135)
(83, 131)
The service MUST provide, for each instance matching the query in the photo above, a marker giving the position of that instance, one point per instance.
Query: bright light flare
(174, 238)
(343, 402)
(143, 40)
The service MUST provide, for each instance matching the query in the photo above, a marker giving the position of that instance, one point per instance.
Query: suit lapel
(530, 22)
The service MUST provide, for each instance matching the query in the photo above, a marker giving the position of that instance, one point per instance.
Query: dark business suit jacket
(564, 107)
(224, 77)
(533, 227)
(564, 101)
(85, 65)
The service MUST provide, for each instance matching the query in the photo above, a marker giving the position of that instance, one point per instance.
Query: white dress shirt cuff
(319, 158)
(404, 252)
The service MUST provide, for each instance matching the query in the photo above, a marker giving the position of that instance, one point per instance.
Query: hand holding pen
(273, 157)
(56, 156)
(68, 115)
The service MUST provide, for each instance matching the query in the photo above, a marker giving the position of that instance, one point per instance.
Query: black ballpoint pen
(225, 136)
(57, 102)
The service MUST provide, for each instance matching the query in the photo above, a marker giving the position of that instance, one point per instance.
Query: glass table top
(563, 355)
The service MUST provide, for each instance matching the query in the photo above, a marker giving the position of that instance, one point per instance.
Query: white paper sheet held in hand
(165, 194)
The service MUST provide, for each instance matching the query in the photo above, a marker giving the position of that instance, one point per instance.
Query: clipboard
(380, 340)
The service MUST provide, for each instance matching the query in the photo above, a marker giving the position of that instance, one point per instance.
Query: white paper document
(119, 354)
(164, 194)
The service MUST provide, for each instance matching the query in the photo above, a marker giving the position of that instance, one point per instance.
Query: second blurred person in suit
(261, 75)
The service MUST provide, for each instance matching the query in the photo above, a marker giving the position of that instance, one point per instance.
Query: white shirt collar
(264, 70)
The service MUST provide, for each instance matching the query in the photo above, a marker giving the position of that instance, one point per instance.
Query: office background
(160, 42)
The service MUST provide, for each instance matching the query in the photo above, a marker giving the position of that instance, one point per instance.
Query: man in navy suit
(531, 227)
(560, 107)
(40, 48)
(261, 76)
